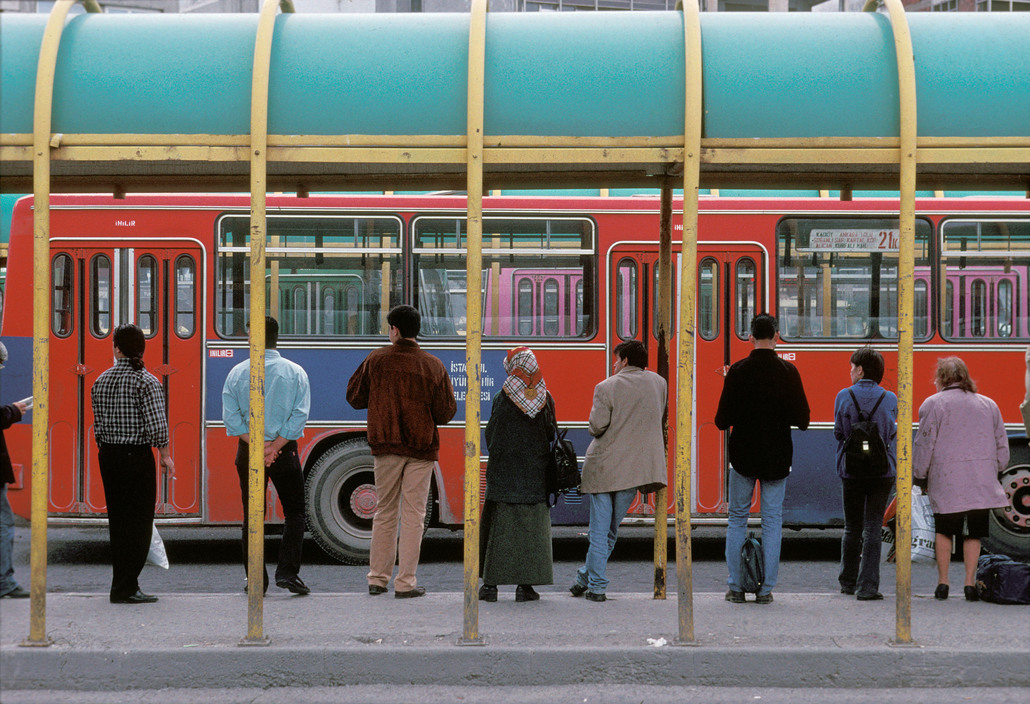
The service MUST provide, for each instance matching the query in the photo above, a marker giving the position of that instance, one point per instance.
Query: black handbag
(562, 466)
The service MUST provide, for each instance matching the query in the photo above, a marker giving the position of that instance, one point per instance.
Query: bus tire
(1010, 526)
(340, 498)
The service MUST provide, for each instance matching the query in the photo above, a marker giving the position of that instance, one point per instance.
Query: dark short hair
(131, 342)
(764, 327)
(634, 352)
(271, 332)
(871, 362)
(406, 319)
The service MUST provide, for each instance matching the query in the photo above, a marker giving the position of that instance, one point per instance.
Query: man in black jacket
(761, 399)
(9, 414)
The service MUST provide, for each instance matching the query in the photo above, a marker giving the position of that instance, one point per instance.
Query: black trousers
(865, 501)
(130, 486)
(288, 478)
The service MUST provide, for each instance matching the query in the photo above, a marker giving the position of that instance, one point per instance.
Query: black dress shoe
(872, 596)
(137, 598)
(971, 593)
(941, 592)
(594, 596)
(764, 598)
(578, 589)
(525, 592)
(376, 590)
(294, 584)
(488, 592)
(735, 597)
(16, 593)
(411, 594)
(847, 590)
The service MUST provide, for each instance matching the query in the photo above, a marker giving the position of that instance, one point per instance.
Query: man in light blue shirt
(287, 401)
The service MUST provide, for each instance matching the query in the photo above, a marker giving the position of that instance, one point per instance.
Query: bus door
(731, 289)
(95, 289)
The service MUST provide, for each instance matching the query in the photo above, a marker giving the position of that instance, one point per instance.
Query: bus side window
(746, 296)
(146, 295)
(1005, 317)
(626, 300)
(100, 296)
(708, 299)
(62, 277)
(185, 296)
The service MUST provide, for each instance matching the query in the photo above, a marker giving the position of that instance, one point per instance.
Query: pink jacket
(960, 448)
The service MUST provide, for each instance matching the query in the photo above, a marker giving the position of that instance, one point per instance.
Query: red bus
(569, 276)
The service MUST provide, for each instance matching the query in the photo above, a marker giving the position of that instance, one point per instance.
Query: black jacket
(762, 397)
(8, 416)
(519, 449)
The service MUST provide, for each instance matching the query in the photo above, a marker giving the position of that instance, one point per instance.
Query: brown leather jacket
(407, 393)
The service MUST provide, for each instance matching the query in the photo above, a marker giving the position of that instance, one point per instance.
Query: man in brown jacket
(407, 393)
(627, 455)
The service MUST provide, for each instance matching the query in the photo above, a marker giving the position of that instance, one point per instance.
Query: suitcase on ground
(1002, 580)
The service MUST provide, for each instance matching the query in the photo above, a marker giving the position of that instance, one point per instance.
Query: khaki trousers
(402, 486)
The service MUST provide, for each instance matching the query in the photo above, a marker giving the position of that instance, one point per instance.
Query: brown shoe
(414, 593)
(376, 590)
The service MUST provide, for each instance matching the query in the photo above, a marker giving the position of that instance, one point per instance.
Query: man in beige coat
(627, 455)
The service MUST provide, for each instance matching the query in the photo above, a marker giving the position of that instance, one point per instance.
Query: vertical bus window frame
(62, 295)
(96, 311)
(304, 243)
(155, 294)
(742, 321)
(521, 255)
(876, 271)
(654, 303)
(626, 303)
(184, 332)
(983, 258)
(708, 300)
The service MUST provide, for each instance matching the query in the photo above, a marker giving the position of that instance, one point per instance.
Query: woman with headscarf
(959, 450)
(515, 537)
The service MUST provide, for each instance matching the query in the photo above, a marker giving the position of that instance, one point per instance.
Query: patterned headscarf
(525, 384)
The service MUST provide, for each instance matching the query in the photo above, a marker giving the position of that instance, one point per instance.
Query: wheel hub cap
(363, 501)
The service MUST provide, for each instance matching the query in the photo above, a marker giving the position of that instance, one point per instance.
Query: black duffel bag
(1002, 580)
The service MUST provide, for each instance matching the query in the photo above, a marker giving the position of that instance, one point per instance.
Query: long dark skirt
(515, 544)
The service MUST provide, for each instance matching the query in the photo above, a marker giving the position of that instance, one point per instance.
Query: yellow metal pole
(42, 116)
(661, 497)
(906, 289)
(688, 290)
(256, 428)
(474, 316)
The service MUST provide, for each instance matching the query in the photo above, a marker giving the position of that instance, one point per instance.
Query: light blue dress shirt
(287, 398)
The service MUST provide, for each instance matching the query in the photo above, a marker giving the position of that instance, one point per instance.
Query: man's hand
(166, 461)
(21, 406)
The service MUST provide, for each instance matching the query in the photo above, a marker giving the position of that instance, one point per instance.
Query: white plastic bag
(157, 555)
(923, 534)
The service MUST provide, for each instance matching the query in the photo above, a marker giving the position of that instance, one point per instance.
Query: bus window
(146, 295)
(746, 296)
(325, 275)
(100, 296)
(61, 276)
(708, 299)
(626, 300)
(654, 303)
(538, 276)
(921, 308)
(837, 277)
(1005, 308)
(986, 263)
(185, 296)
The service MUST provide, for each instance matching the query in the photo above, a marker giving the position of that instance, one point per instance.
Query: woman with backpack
(865, 425)
(959, 450)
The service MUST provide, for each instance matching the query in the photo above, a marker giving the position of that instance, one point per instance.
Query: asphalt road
(207, 560)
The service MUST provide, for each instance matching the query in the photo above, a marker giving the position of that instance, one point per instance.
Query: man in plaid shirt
(129, 419)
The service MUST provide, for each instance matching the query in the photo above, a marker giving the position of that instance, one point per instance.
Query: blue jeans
(606, 513)
(742, 490)
(7, 582)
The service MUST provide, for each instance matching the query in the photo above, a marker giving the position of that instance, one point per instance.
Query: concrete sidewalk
(801, 640)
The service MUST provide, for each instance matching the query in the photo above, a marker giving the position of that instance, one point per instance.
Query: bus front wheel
(1010, 526)
(340, 496)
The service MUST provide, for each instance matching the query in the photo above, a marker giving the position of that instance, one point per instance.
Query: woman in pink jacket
(959, 450)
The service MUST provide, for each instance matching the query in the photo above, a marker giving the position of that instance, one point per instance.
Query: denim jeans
(865, 500)
(7, 581)
(606, 513)
(742, 490)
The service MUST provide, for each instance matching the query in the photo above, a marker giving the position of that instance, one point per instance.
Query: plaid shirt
(129, 408)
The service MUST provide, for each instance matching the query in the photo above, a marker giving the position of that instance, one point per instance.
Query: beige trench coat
(627, 422)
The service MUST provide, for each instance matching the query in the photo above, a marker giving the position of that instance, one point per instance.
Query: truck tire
(340, 500)
(1010, 526)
